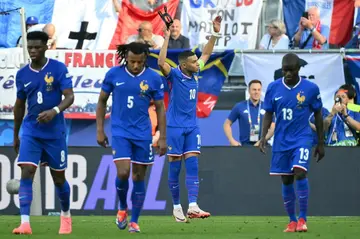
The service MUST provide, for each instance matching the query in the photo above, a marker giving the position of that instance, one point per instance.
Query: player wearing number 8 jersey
(293, 99)
(42, 83)
(133, 86)
(182, 129)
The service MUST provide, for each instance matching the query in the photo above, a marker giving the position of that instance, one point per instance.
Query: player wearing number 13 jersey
(182, 129)
(133, 86)
(42, 84)
(293, 100)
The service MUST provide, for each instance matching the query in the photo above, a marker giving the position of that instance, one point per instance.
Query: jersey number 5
(287, 114)
(130, 102)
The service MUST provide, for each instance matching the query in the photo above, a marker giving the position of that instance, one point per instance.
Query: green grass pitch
(160, 227)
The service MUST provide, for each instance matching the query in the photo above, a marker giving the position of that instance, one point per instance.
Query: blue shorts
(52, 152)
(138, 151)
(283, 163)
(183, 140)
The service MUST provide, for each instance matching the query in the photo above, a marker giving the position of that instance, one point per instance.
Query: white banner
(88, 69)
(239, 26)
(326, 70)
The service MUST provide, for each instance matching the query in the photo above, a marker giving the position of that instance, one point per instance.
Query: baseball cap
(32, 21)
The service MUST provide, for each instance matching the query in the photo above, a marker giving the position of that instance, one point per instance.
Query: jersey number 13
(287, 114)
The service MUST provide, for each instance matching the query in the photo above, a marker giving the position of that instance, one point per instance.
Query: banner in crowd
(338, 15)
(96, 25)
(326, 70)
(88, 69)
(239, 26)
(353, 63)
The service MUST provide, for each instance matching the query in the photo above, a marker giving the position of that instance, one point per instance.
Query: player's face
(255, 91)
(36, 49)
(191, 64)
(290, 71)
(135, 62)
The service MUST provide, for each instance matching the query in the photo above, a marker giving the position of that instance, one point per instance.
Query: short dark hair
(38, 35)
(349, 90)
(183, 56)
(254, 81)
(135, 47)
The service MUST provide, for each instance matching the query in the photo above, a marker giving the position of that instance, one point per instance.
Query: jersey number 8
(40, 98)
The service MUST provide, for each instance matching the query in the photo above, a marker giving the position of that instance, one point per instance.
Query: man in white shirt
(48, 29)
(145, 35)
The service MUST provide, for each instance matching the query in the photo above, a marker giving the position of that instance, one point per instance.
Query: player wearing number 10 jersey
(182, 129)
(293, 99)
(133, 86)
(42, 83)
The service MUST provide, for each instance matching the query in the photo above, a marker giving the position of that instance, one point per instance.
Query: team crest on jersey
(49, 81)
(300, 98)
(143, 87)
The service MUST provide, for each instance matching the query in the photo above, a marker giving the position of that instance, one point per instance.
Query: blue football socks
(137, 199)
(25, 198)
(302, 188)
(173, 181)
(289, 197)
(192, 179)
(122, 187)
(63, 193)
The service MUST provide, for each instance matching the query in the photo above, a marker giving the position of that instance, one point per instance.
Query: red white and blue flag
(338, 15)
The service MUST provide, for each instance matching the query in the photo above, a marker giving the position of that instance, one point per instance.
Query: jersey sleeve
(316, 103)
(107, 85)
(65, 78)
(20, 93)
(158, 91)
(234, 114)
(172, 74)
(268, 101)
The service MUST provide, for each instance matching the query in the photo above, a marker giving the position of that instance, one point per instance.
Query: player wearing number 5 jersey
(293, 100)
(42, 83)
(133, 86)
(182, 129)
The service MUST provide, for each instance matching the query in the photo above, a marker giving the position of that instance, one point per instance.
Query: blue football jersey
(43, 90)
(292, 108)
(131, 96)
(183, 98)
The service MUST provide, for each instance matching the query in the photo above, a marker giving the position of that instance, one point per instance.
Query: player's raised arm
(165, 68)
(209, 47)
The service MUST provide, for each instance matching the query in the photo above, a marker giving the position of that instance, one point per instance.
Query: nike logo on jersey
(119, 83)
(27, 84)
(278, 98)
(61, 165)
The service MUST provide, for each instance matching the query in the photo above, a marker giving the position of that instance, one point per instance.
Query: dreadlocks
(135, 47)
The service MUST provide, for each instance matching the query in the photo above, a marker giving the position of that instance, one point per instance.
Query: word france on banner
(238, 28)
(325, 70)
(87, 68)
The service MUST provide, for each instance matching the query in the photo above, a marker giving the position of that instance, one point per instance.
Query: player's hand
(102, 139)
(162, 146)
(257, 144)
(16, 144)
(234, 143)
(46, 116)
(166, 32)
(217, 24)
(262, 145)
(319, 152)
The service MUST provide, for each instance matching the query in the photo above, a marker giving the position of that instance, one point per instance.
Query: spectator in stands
(154, 124)
(311, 33)
(341, 125)
(146, 34)
(249, 113)
(48, 29)
(30, 21)
(177, 41)
(275, 38)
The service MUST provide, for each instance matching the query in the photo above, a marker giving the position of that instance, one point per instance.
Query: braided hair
(135, 47)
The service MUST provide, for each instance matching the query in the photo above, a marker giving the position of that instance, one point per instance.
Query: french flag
(337, 14)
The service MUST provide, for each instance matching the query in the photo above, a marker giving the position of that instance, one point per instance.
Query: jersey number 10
(192, 94)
